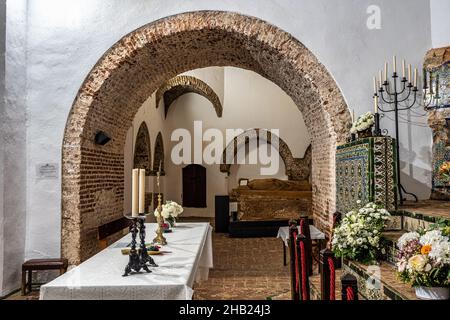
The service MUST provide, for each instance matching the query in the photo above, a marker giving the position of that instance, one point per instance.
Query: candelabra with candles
(138, 258)
(159, 239)
(397, 96)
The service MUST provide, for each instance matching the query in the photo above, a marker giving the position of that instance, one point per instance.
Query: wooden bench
(40, 264)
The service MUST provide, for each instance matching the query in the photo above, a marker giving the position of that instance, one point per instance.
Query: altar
(188, 260)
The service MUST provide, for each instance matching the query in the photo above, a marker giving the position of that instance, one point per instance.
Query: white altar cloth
(316, 234)
(100, 277)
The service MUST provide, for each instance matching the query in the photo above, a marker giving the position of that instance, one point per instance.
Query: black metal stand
(394, 98)
(138, 260)
(377, 131)
(143, 254)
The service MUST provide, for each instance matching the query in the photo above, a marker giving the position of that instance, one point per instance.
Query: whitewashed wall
(248, 100)
(65, 38)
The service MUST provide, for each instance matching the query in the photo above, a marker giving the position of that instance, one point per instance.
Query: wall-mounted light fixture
(102, 138)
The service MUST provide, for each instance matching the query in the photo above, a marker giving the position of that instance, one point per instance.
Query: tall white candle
(374, 85)
(415, 77)
(135, 193)
(380, 78)
(385, 71)
(394, 63)
(409, 73)
(141, 190)
(403, 68)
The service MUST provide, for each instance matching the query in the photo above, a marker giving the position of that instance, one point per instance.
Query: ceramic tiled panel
(365, 170)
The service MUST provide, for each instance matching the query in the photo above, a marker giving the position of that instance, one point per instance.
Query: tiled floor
(245, 268)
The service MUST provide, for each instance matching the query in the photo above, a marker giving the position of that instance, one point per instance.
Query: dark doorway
(194, 186)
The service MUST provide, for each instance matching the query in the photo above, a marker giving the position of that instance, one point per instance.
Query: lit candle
(375, 104)
(135, 193)
(380, 77)
(409, 73)
(415, 77)
(141, 190)
(394, 63)
(403, 68)
(375, 85)
(385, 71)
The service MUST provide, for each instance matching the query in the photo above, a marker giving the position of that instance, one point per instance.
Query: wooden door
(194, 186)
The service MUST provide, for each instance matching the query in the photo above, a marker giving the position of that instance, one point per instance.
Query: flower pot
(365, 133)
(432, 293)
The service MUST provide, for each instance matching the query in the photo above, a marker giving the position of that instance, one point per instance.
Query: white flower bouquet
(170, 211)
(423, 258)
(357, 237)
(364, 122)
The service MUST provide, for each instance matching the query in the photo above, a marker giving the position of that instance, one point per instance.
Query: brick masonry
(143, 150)
(179, 85)
(437, 61)
(142, 61)
(296, 168)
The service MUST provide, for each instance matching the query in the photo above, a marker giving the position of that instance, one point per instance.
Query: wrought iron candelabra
(138, 259)
(396, 95)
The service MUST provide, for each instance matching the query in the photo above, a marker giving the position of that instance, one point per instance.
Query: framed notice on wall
(47, 171)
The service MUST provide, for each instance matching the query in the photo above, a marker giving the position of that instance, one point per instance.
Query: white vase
(432, 293)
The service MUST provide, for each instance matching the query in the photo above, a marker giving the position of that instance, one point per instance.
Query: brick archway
(159, 155)
(296, 168)
(180, 85)
(142, 149)
(139, 63)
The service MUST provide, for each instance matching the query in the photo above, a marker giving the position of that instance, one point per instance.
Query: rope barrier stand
(332, 278)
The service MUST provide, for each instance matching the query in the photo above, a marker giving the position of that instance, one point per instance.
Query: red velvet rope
(350, 295)
(302, 222)
(294, 234)
(332, 278)
(304, 271)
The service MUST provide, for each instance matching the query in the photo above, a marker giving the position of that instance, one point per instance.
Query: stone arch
(139, 63)
(296, 168)
(142, 149)
(158, 155)
(180, 85)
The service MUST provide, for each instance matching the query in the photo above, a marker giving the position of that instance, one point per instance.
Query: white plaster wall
(2, 133)
(250, 101)
(13, 165)
(440, 25)
(65, 38)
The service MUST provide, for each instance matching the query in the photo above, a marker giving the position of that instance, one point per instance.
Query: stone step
(415, 215)
(379, 282)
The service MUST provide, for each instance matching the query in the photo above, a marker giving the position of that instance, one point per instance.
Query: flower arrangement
(423, 259)
(364, 122)
(170, 211)
(444, 171)
(357, 237)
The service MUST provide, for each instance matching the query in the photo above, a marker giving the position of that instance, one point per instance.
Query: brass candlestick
(159, 239)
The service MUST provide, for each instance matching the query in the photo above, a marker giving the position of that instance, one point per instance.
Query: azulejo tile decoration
(365, 170)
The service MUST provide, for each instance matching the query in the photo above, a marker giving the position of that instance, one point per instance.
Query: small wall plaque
(47, 171)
